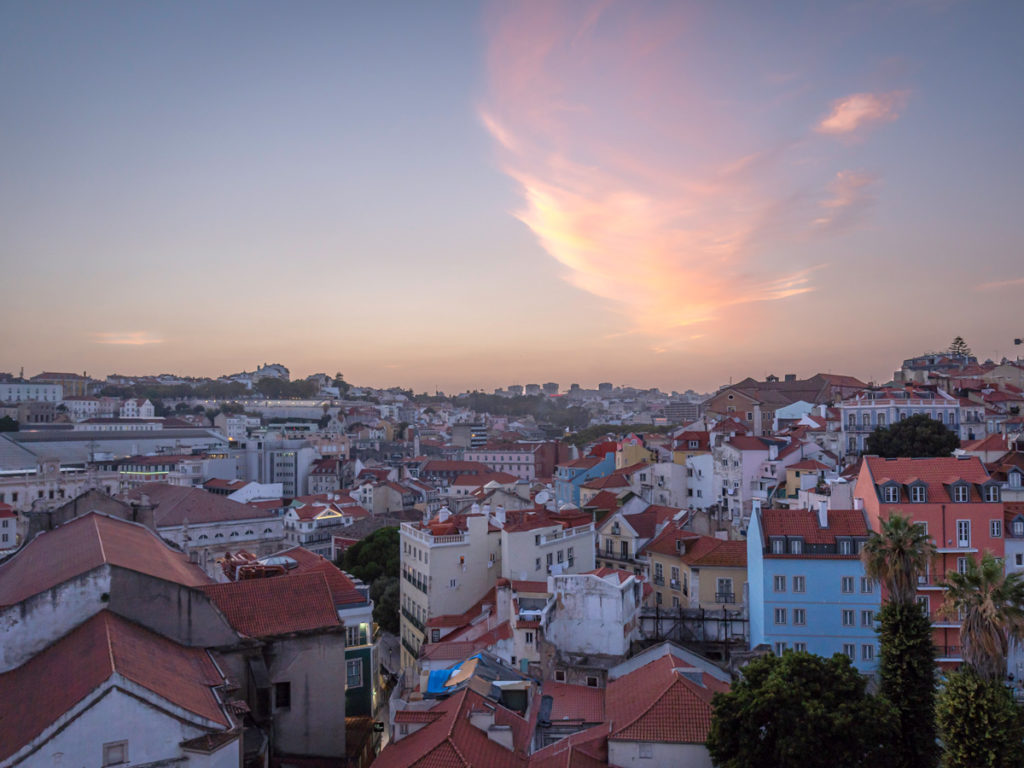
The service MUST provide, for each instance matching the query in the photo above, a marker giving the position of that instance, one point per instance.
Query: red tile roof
(173, 505)
(574, 702)
(88, 542)
(477, 480)
(343, 589)
(276, 606)
(585, 463)
(585, 749)
(614, 480)
(607, 500)
(657, 703)
(34, 695)
(937, 473)
(804, 523)
(809, 465)
(451, 741)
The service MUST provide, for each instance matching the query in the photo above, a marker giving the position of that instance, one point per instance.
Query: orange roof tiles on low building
(34, 696)
(276, 606)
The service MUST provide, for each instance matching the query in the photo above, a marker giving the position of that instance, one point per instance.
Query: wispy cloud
(850, 196)
(856, 111)
(997, 284)
(129, 338)
(634, 176)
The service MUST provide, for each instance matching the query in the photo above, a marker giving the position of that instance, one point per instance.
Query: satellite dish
(542, 498)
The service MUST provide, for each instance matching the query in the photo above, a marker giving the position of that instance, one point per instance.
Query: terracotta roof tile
(85, 543)
(804, 523)
(276, 606)
(657, 703)
(37, 693)
(173, 505)
(574, 702)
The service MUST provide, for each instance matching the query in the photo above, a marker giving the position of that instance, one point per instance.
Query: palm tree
(896, 555)
(991, 602)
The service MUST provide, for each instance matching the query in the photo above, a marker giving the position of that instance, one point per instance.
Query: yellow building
(630, 451)
(806, 474)
(692, 571)
(690, 444)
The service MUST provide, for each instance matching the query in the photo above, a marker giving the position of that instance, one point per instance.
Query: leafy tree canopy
(800, 711)
(374, 556)
(980, 726)
(918, 436)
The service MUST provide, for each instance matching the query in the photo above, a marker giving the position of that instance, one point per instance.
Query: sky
(464, 195)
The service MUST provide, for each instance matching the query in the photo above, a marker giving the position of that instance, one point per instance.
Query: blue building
(808, 591)
(570, 477)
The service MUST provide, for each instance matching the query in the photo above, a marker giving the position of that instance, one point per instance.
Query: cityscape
(535, 384)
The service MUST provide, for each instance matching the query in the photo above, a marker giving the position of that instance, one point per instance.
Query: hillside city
(255, 570)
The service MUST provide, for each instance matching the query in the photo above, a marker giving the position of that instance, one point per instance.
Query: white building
(23, 392)
(135, 408)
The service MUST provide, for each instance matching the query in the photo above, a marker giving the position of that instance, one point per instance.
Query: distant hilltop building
(265, 371)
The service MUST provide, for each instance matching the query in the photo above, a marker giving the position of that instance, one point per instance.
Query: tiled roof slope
(935, 472)
(276, 606)
(657, 703)
(87, 542)
(574, 702)
(35, 694)
(804, 523)
(585, 749)
(343, 589)
(175, 504)
(452, 741)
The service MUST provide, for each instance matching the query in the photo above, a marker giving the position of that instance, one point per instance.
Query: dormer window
(778, 546)
(1018, 527)
(1015, 479)
(919, 493)
(845, 547)
(615, 529)
(891, 494)
(796, 546)
(992, 492)
(961, 493)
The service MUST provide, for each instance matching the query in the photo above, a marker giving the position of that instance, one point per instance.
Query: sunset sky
(469, 195)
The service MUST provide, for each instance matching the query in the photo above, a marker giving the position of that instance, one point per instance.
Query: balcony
(674, 584)
(567, 533)
(430, 540)
(621, 557)
(659, 580)
(413, 620)
(725, 597)
(412, 651)
(948, 653)
(420, 585)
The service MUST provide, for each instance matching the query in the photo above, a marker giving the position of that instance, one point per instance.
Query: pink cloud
(130, 338)
(655, 194)
(858, 110)
(997, 284)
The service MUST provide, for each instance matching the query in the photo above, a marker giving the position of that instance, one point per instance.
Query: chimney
(823, 514)
(858, 504)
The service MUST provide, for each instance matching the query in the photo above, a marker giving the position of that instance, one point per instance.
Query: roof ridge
(667, 687)
(99, 538)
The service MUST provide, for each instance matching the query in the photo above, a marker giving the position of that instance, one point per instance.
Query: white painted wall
(627, 754)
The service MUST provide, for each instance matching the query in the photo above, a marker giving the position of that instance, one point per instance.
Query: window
(867, 652)
(780, 583)
(1018, 527)
(452, 584)
(961, 493)
(847, 617)
(963, 533)
(992, 493)
(850, 650)
(846, 584)
(796, 546)
(592, 682)
(866, 585)
(918, 495)
(529, 638)
(282, 695)
(778, 546)
(996, 529)
(799, 584)
(115, 753)
(657, 598)
(780, 615)
(961, 565)
(354, 676)
(891, 494)
(1019, 559)
(609, 547)
(800, 647)
(867, 618)
(550, 558)
(646, 750)
(799, 616)
(560, 675)
(922, 603)
(845, 547)
(536, 565)
(780, 648)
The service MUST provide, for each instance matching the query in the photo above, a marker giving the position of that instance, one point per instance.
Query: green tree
(906, 666)
(7, 424)
(992, 604)
(959, 348)
(979, 724)
(800, 711)
(375, 560)
(918, 436)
